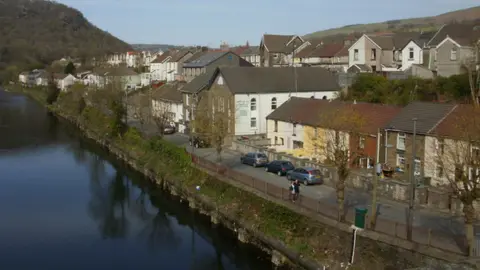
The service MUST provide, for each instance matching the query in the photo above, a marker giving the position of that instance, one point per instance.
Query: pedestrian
(296, 189)
(292, 191)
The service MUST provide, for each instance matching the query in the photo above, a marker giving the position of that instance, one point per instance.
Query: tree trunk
(469, 216)
(341, 198)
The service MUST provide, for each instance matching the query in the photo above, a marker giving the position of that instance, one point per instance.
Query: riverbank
(302, 240)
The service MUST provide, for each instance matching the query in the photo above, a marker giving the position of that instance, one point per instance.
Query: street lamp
(412, 183)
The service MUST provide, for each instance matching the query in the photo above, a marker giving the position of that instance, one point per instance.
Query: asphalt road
(390, 210)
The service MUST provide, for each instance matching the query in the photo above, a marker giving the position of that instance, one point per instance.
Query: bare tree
(141, 105)
(162, 115)
(339, 126)
(214, 114)
(457, 160)
(472, 66)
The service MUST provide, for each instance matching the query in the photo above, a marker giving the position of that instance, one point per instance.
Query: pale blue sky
(208, 22)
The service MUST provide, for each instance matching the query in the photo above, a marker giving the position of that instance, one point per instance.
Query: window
(440, 146)
(473, 174)
(355, 54)
(401, 138)
(435, 55)
(374, 54)
(253, 122)
(410, 54)
(253, 104)
(294, 129)
(438, 171)
(274, 103)
(281, 141)
(475, 151)
(401, 162)
(276, 140)
(453, 54)
(275, 127)
(361, 142)
(297, 145)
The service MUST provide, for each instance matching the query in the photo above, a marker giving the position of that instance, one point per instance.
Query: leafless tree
(162, 115)
(457, 161)
(338, 127)
(213, 116)
(472, 66)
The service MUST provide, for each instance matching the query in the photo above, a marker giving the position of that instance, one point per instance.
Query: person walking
(296, 189)
(292, 191)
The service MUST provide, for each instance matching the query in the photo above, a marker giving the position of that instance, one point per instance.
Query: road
(390, 210)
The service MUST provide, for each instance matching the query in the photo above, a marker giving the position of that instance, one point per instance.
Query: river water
(66, 204)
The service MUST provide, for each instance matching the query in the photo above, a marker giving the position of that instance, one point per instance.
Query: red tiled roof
(317, 112)
(462, 122)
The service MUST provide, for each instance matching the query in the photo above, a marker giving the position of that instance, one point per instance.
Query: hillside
(414, 24)
(36, 32)
(152, 47)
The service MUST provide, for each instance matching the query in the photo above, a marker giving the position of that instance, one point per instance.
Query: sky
(209, 22)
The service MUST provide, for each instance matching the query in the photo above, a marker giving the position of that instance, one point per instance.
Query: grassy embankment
(313, 240)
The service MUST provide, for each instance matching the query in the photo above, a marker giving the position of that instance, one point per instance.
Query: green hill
(36, 32)
(413, 24)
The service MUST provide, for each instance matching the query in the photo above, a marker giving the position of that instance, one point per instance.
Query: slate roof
(251, 50)
(461, 33)
(204, 60)
(308, 111)
(327, 50)
(179, 55)
(121, 71)
(169, 92)
(278, 43)
(244, 80)
(428, 115)
(385, 42)
(278, 79)
(198, 83)
(161, 58)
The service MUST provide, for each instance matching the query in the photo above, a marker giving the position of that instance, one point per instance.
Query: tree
(52, 91)
(456, 160)
(471, 65)
(141, 105)
(69, 68)
(340, 125)
(213, 116)
(161, 116)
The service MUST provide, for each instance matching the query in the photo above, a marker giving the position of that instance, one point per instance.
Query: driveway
(390, 210)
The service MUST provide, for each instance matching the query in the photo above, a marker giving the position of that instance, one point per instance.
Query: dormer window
(374, 54)
(253, 104)
(410, 53)
(355, 54)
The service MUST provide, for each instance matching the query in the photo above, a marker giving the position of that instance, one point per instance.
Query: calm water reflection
(63, 205)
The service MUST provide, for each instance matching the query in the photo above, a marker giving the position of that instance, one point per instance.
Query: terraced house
(305, 127)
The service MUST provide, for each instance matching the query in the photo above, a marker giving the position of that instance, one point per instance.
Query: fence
(420, 235)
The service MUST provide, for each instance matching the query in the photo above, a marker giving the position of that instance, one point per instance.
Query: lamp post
(412, 183)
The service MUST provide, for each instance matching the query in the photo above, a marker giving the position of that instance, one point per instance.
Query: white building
(64, 81)
(411, 54)
(158, 67)
(168, 100)
(259, 91)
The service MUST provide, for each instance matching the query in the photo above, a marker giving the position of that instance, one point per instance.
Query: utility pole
(412, 183)
(376, 174)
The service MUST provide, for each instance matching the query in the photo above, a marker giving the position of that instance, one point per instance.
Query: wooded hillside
(36, 32)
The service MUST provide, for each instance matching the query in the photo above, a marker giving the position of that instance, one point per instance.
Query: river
(66, 204)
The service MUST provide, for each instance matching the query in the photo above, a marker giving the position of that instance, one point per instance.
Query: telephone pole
(377, 171)
(412, 183)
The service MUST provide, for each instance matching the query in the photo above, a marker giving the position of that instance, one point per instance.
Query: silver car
(254, 159)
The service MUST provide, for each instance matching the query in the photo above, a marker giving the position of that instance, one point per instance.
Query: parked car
(280, 167)
(198, 142)
(169, 129)
(254, 159)
(306, 175)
